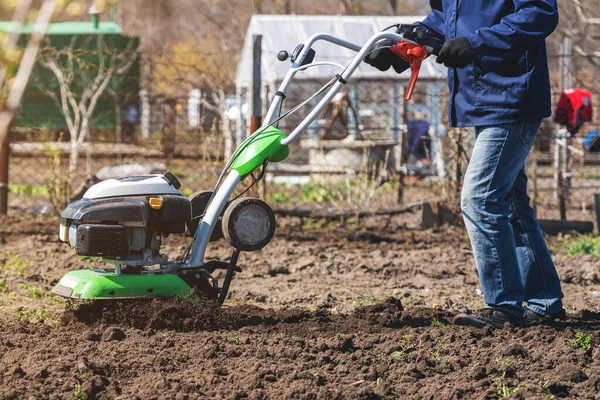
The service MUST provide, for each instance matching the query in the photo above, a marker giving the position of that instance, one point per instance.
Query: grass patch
(280, 198)
(584, 245)
(15, 265)
(33, 292)
(29, 190)
(31, 315)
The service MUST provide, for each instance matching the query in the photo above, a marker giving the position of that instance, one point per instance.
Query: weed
(503, 362)
(3, 286)
(582, 342)
(279, 198)
(585, 245)
(544, 385)
(78, 392)
(310, 308)
(32, 291)
(237, 340)
(186, 192)
(436, 355)
(33, 315)
(437, 324)
(15, 265)
(317, 193)
(506, 391)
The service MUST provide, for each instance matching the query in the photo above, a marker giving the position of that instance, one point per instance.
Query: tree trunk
(74, 153)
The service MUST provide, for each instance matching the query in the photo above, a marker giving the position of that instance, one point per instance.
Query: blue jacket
(509, 81)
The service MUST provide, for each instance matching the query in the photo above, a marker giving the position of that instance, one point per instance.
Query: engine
(125, 221)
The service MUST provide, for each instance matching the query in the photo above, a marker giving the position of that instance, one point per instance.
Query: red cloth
(574, 108)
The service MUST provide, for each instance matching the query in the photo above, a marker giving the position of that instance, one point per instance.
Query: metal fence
(369, 150)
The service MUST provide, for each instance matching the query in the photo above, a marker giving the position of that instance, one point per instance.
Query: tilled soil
(322, 312)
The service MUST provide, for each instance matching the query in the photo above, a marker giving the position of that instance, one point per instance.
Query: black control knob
(283, 55)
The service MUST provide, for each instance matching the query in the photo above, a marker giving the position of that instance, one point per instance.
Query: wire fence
(368, 150)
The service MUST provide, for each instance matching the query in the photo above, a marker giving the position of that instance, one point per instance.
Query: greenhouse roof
(284, 32)
(67, 28)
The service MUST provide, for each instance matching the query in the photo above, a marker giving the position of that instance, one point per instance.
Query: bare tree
(76, 68)
(27, 62)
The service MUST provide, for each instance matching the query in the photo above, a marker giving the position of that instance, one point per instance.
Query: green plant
(186, 192)
(32, 291)
(78, 392)
(437, 324)
(503, 362)
(237, 340)
(544, 385)
(317, 193)
(32, 315)
(29, 190)
(436, 355)
(506, 391)
(582, 342)
(280, 198)
(585, 245)
(310, 308)
(15, 265)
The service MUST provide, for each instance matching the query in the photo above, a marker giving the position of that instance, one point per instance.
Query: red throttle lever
(414, 55)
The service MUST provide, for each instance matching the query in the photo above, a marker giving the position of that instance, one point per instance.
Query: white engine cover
(131, 186)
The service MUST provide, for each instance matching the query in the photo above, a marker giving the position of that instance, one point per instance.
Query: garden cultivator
(125, 221)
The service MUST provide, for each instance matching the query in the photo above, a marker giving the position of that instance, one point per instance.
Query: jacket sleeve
(435, 20)
(532, 22)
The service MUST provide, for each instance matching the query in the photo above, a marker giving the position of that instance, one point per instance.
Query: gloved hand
(383, 58)
(456, 53)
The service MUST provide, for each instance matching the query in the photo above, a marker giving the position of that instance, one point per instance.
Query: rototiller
(125, 221)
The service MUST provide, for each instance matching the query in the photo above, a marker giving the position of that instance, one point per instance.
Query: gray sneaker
(491, 317)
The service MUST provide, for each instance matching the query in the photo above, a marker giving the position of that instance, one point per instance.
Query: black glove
(456, 53)
(383, 58)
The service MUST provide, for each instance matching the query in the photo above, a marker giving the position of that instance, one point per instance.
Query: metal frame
(223, 193)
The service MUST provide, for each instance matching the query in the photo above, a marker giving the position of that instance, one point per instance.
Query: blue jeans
(511, 255)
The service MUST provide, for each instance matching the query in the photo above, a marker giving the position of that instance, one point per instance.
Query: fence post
(597, 209)
(4, 156)
(256, 99)
(401, 145)
(256, 106)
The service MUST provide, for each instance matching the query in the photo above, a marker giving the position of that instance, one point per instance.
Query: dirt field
(324, 312)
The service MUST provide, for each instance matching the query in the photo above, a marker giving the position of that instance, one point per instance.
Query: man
(499, 83)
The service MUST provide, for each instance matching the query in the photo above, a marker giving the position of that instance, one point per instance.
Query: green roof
(68, 28)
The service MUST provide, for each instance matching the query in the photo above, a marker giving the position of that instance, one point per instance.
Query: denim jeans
(512, 258)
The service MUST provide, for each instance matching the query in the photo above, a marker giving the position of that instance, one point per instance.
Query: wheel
(249, 224)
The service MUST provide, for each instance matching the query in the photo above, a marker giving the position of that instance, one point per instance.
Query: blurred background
(144, 86)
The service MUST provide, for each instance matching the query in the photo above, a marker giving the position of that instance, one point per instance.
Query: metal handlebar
(362, 51)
